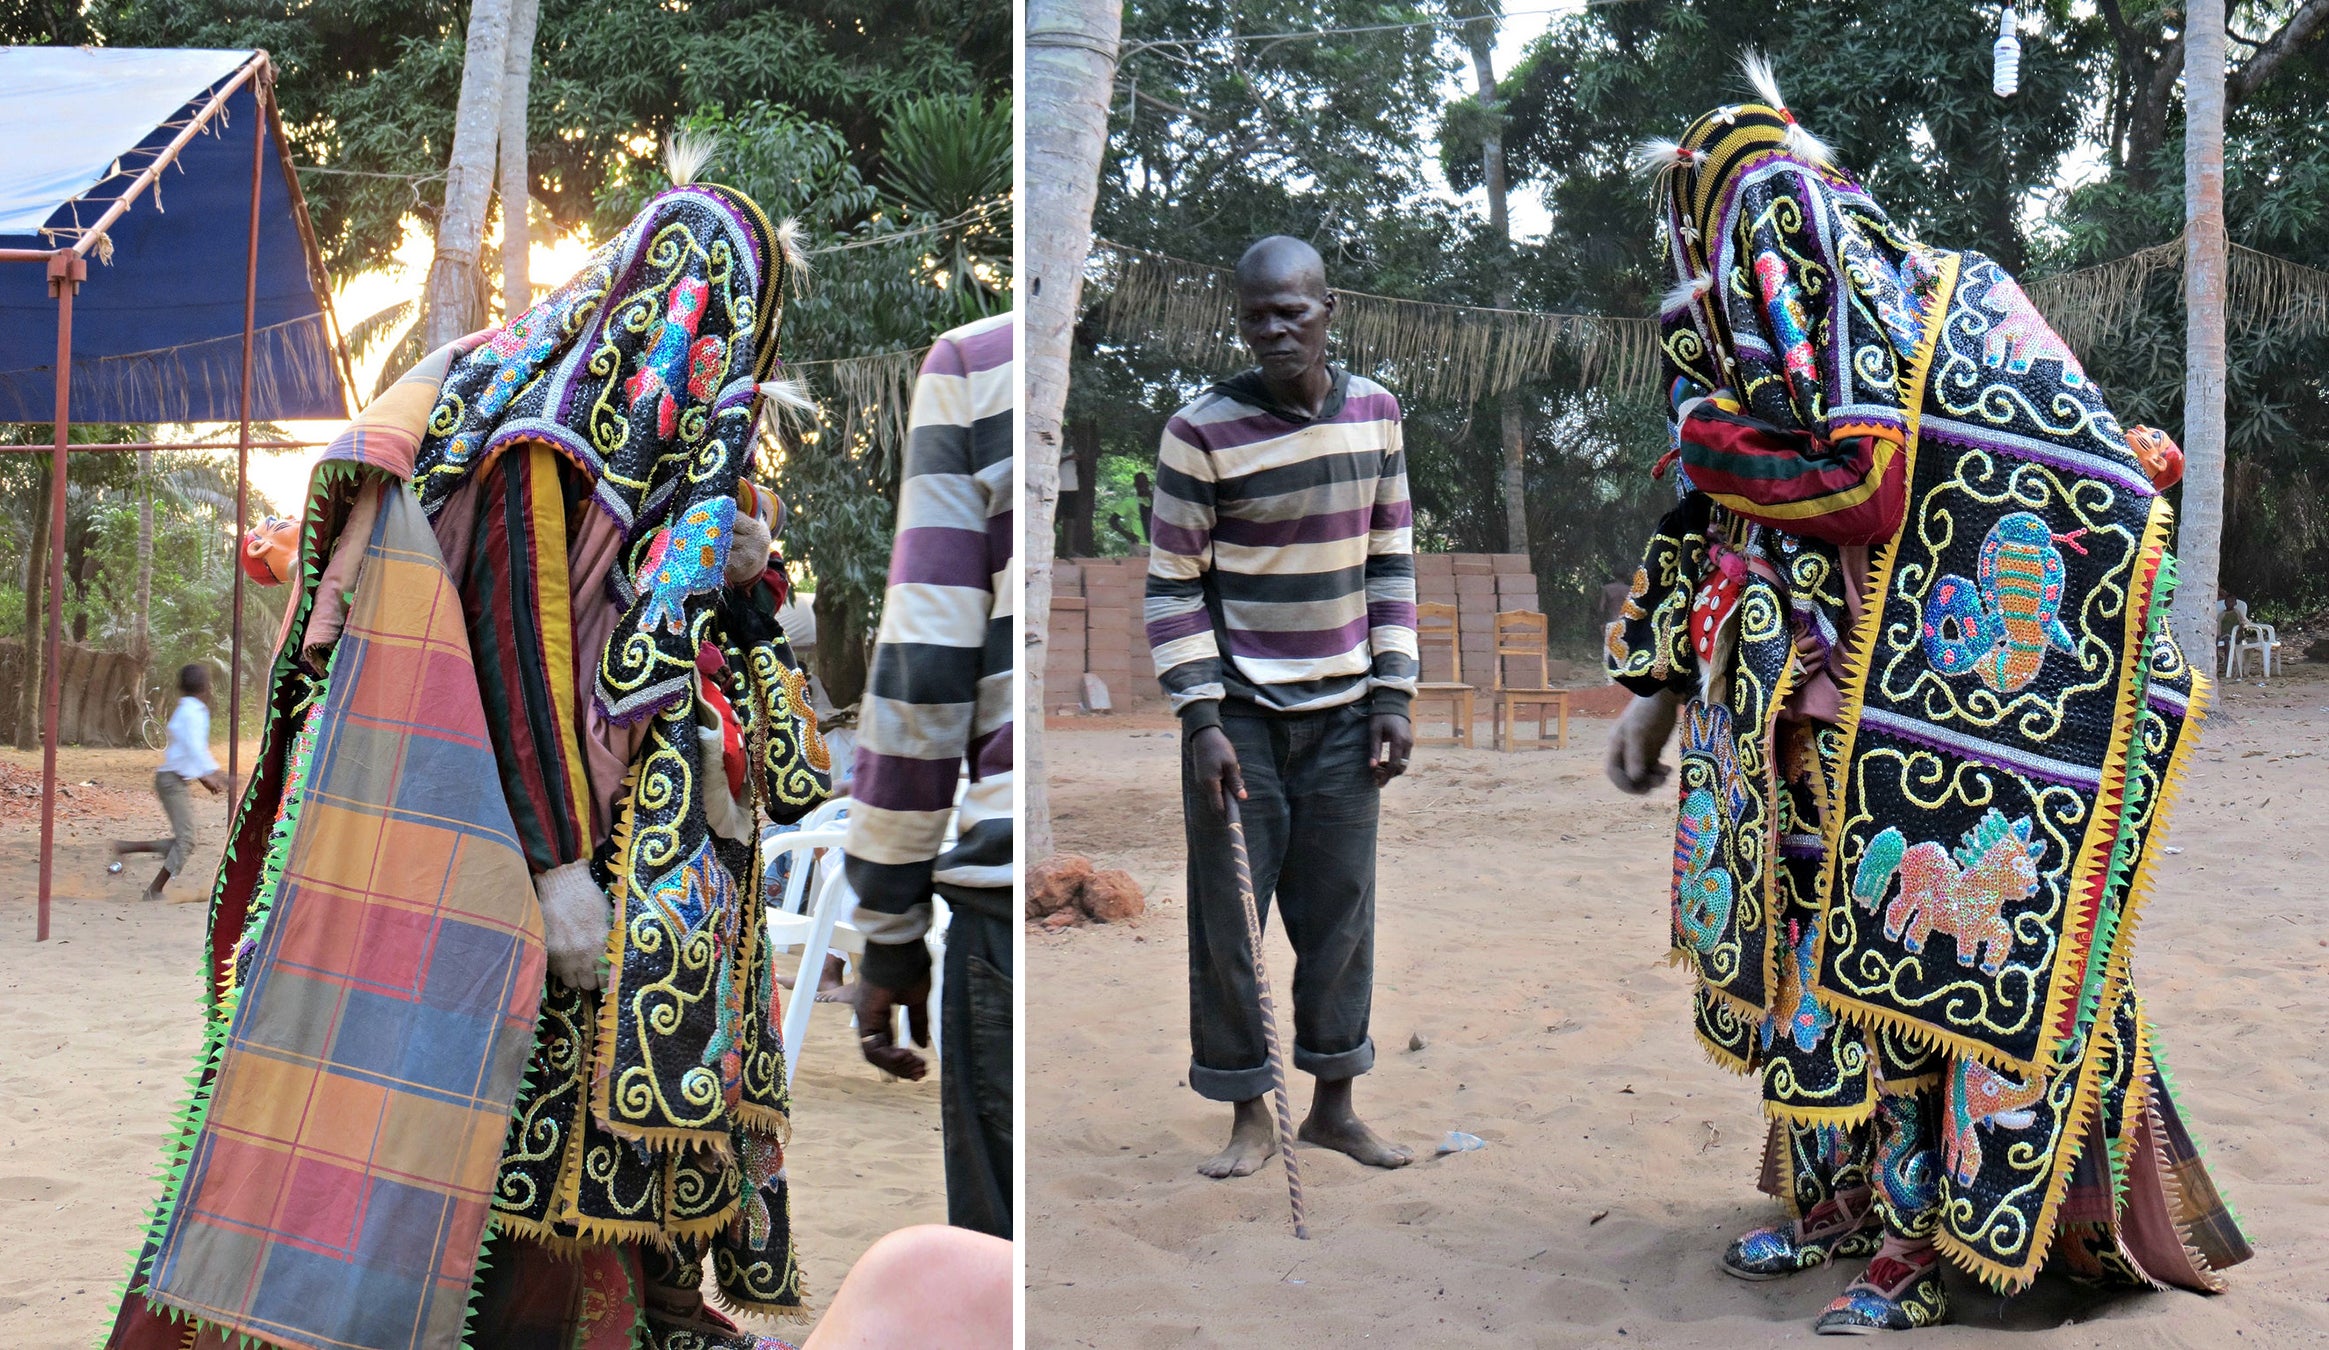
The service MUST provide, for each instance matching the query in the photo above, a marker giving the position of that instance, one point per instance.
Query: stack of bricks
(1112, 599)
(1475, 575)
(1063, 666)
(1100, 600)
(1515, 589)
(1435, 584)
(1096, 619)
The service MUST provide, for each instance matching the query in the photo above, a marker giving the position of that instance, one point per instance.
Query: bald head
(1283, 308)
(1281, 262)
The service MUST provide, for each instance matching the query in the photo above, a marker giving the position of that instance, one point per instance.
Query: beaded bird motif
(519, 351)
(1964, 896)
(686, 558)
(2001, 624)
(1783, 302)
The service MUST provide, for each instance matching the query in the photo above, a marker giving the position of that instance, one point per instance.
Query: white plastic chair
(817, 920)
(809, 916)
(2249, 636)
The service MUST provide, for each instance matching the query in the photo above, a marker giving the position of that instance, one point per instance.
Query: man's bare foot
(1253, 1140)
(831, 987)
(1333, 1123)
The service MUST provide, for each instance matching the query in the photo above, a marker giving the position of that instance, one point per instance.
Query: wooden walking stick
(1261, 984)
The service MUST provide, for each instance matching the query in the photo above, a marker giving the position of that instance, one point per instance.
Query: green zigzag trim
(2139, 788)
(2167, 1081)
(194, 1111)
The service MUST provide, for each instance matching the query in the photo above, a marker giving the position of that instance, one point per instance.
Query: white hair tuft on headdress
(796, 258)
(1658, 155)
(1759, 74)
(1684, 293)
(686, 154)
(1800, 141)
(790, 395)
(783, 401)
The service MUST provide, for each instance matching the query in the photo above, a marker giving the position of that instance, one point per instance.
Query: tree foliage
(1327, 138)
(919, 246)
(883, 125)
(368, 86)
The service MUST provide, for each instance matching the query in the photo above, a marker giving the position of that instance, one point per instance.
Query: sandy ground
(98, 1029)
(1522, 929)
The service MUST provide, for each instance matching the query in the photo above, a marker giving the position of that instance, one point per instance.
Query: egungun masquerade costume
(1916, 595)
(533, 654)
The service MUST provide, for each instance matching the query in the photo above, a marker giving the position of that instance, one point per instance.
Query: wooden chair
(1435, 629)
(1520, 644)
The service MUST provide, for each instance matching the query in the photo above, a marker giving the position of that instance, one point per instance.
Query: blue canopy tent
(180, 278)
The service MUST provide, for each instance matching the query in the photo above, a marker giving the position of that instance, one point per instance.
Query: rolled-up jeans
(1310, 813)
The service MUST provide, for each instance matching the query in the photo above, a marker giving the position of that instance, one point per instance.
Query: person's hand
(1217, 767)
(1390, 739)
(1638, 740)
(748, 549)
(1811, 653)
(215, 781)
(576, 918)
(877, 1026)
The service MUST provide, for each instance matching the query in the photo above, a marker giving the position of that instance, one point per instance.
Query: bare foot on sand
(1253, 1140)
(831, 988)
(1333, 1123)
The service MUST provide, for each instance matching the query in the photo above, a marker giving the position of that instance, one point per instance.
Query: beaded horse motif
(1964, 896)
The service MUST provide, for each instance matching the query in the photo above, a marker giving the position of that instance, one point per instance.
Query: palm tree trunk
(1071, 66)
(453, 303)
(1480, 37)
(517, 290)
(2200, 538)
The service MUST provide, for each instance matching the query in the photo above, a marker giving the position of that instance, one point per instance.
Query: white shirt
(189, 753)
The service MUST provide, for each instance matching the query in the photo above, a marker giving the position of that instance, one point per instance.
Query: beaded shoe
(1841, 1227)
(1898, 1293)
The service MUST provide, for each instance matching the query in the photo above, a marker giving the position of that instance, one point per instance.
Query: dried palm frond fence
(863, 396)
(1463, 353)
(1428, 352)
(2092, 306)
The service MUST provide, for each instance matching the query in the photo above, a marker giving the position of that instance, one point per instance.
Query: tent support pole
(234, 678)
(66, 270)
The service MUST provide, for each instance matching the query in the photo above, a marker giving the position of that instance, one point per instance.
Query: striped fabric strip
(514, 593)
(939, 695)
(1281, 564)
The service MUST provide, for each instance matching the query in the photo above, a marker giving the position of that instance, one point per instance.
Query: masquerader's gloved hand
(1638, 740)
(748, 550)
(576, 918)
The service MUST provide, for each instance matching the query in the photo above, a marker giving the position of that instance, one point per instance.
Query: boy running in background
(186, 761)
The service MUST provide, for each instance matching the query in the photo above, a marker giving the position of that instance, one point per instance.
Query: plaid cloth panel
(338, 1192)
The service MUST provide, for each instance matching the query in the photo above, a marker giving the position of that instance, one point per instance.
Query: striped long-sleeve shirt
(1281, 568)
(939, 695)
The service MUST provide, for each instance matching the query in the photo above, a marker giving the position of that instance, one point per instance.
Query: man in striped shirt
(1281, 610)
(938, 702)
